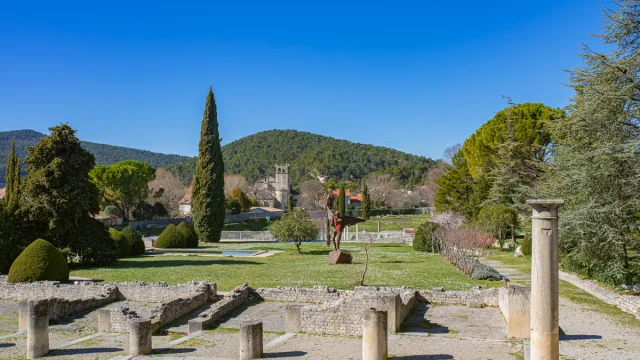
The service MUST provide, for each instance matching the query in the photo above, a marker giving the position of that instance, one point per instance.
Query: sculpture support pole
(545, 335)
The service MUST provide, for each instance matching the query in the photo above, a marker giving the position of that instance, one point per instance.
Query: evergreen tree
(207, 198)
(366, 202)
(58, 198)
(456, 189)
(514, 174)
(290, 203)
(12, 191)
(342, 198)
(596, 166)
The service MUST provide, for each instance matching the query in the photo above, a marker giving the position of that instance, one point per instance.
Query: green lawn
(395, 223)
(390, 265)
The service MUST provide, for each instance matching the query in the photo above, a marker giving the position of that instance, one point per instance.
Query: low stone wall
(345, 315)
(317, 294)
(238, 296)
(173, 301)
(64, 299)
(626, 303)
(162, 292)
(476, 296)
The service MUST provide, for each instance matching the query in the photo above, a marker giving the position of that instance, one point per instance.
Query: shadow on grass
(6, 345)
(193, 261)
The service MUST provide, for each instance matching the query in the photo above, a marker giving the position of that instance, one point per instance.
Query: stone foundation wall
(345, 315)
(478, 296)
(162, 292)
(64, 299)
(317, 294)
(238, 296)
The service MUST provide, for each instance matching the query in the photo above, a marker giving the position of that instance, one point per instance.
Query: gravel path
(586, 333)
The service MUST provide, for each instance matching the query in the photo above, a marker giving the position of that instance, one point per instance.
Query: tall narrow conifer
(341, 201)
(207, 198)
(12, 191)
(366, 201)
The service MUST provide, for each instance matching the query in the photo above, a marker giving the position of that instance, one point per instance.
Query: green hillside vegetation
(254, 157)
(104, 154)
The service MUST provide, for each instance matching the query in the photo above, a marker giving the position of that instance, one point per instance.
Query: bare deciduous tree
(311, 195)
(381, 187)
(449, 152)
(172, 190)
(430, 188)
(369, 239)
(231, 181)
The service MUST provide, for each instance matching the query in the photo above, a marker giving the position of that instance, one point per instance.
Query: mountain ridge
(254, 156)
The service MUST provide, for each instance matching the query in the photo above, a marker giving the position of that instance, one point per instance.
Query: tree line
(586, 154)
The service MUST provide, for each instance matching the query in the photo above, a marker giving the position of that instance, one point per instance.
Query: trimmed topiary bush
(189, 234)
(424, 239)
(171, 238)
(135, 241)
(39, 261)
(124, 248)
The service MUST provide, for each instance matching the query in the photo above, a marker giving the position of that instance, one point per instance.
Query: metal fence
(347, 236)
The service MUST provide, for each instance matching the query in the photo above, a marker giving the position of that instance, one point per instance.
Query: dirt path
(585, 331)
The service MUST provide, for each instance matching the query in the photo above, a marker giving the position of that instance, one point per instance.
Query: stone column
(374, 335)
(37, 328)
(292, 319)
(23, 315)
(545, 335)
(251, 340)
(391, 304)
(140, 337)
(104, 320)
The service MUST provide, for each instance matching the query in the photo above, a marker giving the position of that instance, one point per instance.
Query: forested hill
(105, 154)
(254, 157)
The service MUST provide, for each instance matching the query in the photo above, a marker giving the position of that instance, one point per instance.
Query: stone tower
(282, 185)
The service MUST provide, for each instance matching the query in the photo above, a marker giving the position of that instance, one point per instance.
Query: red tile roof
(356, 198)
(187, 197)
(346, 192)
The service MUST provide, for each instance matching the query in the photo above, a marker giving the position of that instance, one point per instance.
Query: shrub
(122, 243)
(39, 261)
(171, 238)
(485, 272)
(424, 239)
(189, 235)
(111, 210)
(135, 241)
(526, 244)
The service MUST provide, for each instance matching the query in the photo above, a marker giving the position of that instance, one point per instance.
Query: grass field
(395, 223)
(390, 265)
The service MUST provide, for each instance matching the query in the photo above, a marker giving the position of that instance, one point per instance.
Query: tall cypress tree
(12, 192)
(341, 201)
(366, 202)
(207, 198)
(290, 203)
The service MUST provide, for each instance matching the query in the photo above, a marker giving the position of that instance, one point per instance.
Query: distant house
(185, 203)
(349, 199)
(2, 190)
(109, 220)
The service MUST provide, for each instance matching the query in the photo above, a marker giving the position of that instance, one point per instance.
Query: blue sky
(417, 76)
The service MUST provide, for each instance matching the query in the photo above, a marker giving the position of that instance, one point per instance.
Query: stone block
(23, 315)
(251, 340)
(515, 305)
(104, 320)
(292, 318)
(374, 335)
(37, 328)
(339, 257)
(140, 337)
